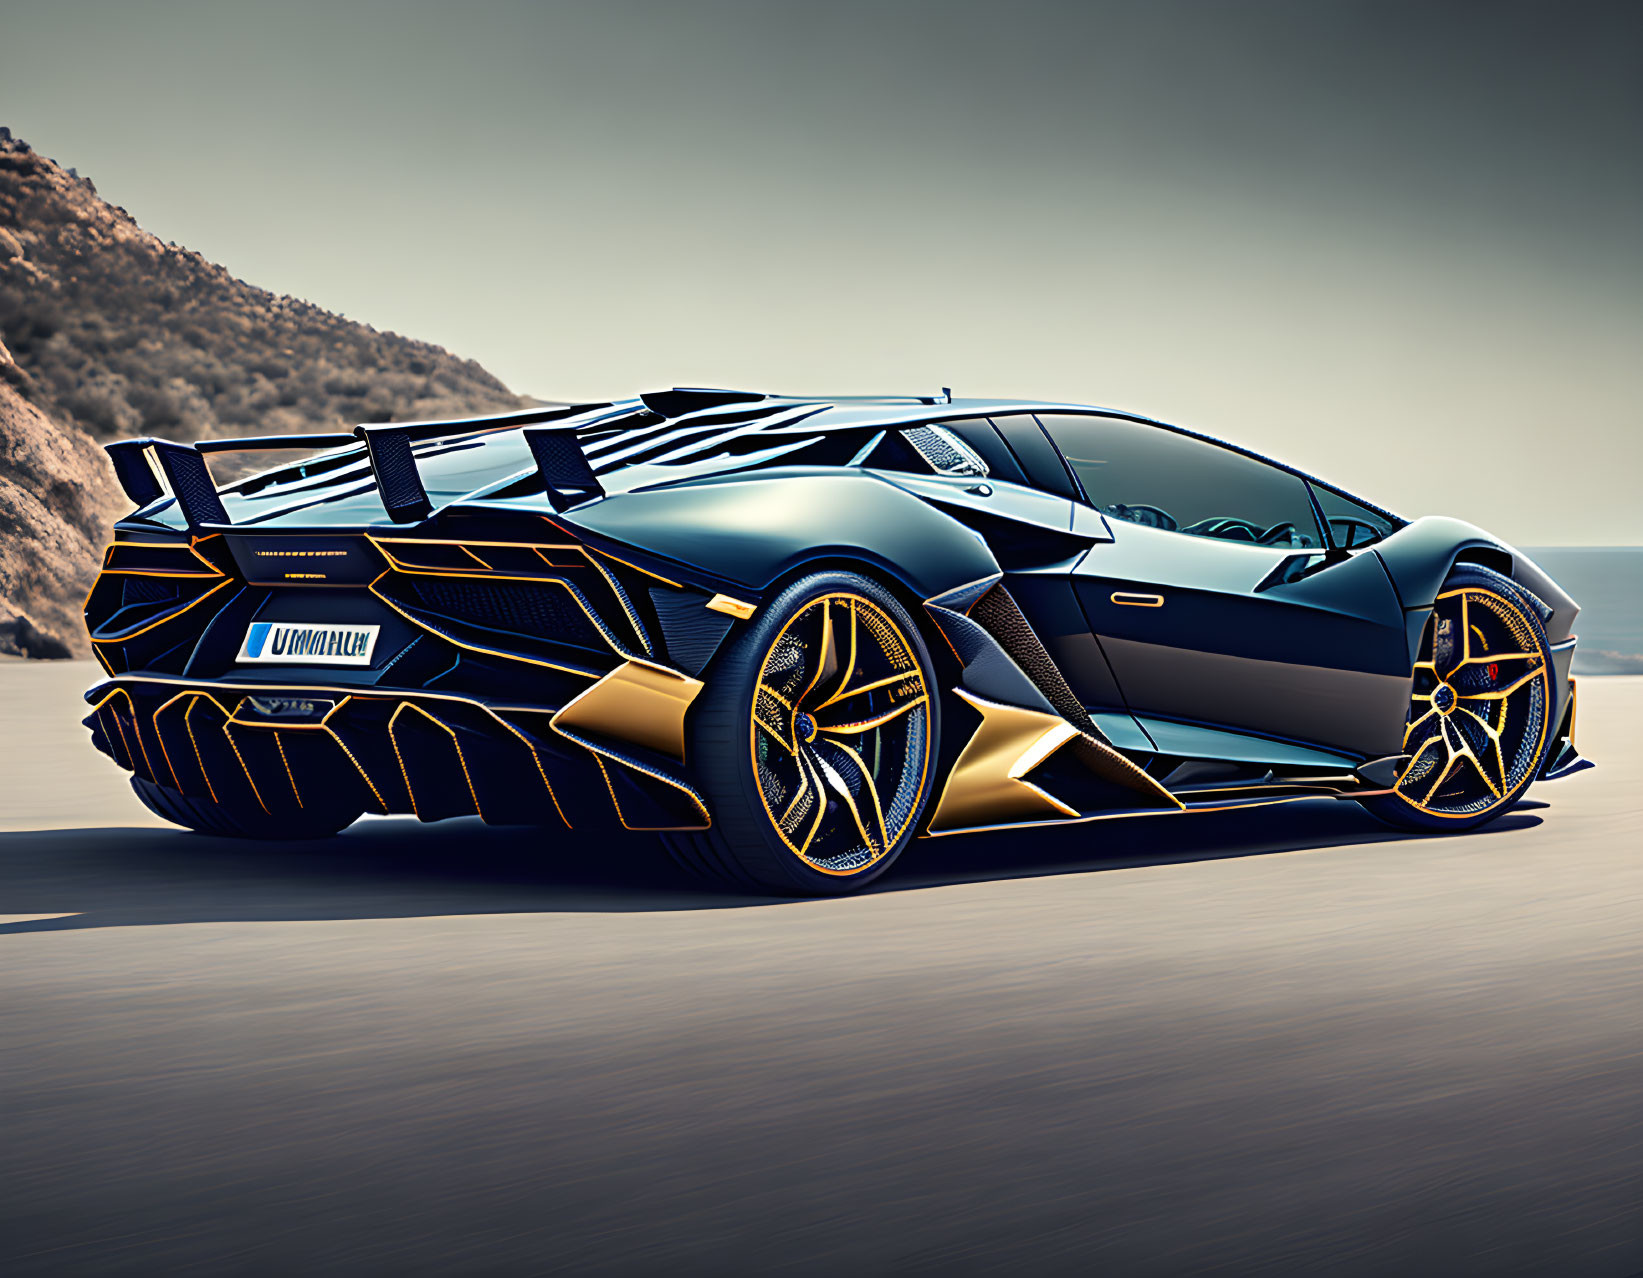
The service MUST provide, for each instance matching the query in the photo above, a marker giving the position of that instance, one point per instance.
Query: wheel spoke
(1407, 732)
(777, 724)
(1491, 732)
(1500, 694)
(1465, 633)
(856, 727)
(837, 783)
(1482, 771)
(1409, 768)
(1443, 774)
(872, 789)
(802, 791)
(844, 694)
(1490, 658)
(848, 672)
(821, 805)
(1470, 756)
(827, 661)
(776, 735)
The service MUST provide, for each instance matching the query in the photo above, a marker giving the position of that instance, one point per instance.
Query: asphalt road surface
(1279, 1042)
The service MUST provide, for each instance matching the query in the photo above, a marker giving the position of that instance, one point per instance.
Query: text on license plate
(309, 643)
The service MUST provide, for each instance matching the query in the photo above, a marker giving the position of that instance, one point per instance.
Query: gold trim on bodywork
(136, 729)
(116, 545)
(455, 745)
(731, 607)
(125, 636)
(420, 624)
(1129, 599)
(195, 696)
(400, 564)
(638, 702)
(985, 785)
(109, 570)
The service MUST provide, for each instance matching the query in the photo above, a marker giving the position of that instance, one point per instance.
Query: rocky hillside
(107, 330)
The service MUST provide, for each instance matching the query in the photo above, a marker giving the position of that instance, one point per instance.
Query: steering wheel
(1150, 516)
(1278, 532)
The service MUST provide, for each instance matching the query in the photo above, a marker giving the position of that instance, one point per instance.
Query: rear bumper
(264, 748)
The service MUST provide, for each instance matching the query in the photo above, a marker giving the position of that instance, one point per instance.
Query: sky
(1397, 244)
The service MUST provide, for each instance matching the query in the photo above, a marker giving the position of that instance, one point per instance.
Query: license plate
(311, 643)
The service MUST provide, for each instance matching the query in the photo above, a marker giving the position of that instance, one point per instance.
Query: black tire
(850, 800)
(1480, 716)
(205, 817)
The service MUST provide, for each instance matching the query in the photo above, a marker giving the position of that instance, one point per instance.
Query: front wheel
(815, 741)
(1480, 708)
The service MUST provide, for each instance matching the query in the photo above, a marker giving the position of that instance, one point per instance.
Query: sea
(1607, 583)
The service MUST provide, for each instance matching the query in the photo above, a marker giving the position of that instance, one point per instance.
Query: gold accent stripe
(170, 616)
(188, 723)
(279, 743)
(455, 745)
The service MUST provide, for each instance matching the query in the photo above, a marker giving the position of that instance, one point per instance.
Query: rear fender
(755, 532)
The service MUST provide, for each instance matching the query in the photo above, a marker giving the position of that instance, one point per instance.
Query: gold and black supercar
(793, 634)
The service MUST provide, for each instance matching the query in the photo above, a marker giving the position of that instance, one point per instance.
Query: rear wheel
(1479, 712)
(815, 741)
(229, 821)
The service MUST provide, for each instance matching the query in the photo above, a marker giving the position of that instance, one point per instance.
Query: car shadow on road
(397, 868)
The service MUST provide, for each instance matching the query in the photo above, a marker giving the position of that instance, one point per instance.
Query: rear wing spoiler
(150, 468)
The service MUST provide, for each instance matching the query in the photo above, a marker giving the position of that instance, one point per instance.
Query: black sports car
(793, 633)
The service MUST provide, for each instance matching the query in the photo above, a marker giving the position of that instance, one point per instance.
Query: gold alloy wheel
(1478, 713)
(840, 735)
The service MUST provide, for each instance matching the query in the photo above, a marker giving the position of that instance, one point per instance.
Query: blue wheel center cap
(1444, 698)
(804, 726)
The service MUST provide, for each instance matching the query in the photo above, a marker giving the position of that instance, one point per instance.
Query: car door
(1037, 531)
(1218, 604)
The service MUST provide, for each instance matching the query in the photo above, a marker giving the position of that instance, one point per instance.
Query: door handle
(1137, 601)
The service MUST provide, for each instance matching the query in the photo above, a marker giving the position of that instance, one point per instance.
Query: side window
(1153, 476)
(1038, 457)
(979, 434)
(1351, 523)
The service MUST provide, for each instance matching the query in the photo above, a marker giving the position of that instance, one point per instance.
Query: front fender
(754, 530)
(1419, 556)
